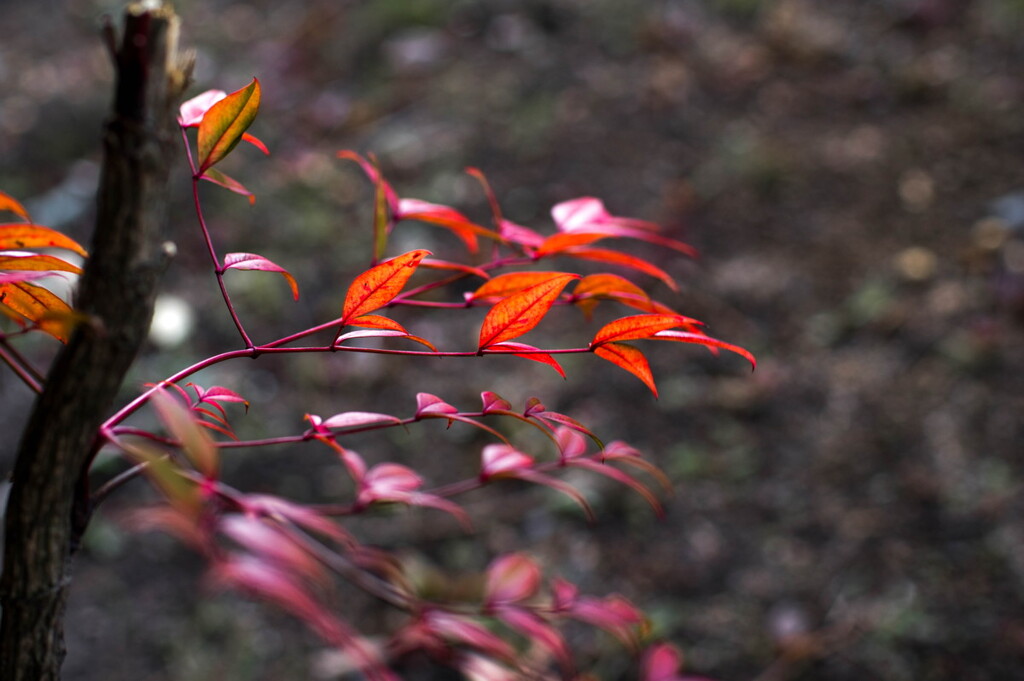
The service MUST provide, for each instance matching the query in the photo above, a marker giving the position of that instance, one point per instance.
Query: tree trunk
(49, 502)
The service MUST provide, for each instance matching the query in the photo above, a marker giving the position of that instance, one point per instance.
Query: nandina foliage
(284, 551)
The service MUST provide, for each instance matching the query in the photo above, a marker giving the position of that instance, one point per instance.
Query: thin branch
(217, 269)
(20, 367)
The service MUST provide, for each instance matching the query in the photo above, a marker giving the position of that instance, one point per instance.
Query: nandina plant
(291, 553)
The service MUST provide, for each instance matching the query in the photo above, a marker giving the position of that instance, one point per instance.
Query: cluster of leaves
(284, 551)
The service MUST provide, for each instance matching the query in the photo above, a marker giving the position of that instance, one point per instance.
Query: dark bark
(49, 505)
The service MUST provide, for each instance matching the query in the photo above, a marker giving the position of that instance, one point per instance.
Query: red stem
(217, 269)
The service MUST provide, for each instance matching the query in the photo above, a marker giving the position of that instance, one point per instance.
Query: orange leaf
(596, 287)
(373, 321)
(630, 359)
(637, 326)
(36, 236)
(623, 259)
(505, 285)
(39, 263)
(9, 203)
(225, 122)
(517, 314)
(376, 287)
(33, 303)
(563, 240)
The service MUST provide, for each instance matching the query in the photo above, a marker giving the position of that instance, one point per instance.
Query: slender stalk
(20, 368)
(217, 269)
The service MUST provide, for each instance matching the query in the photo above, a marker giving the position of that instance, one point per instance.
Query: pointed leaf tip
(252, 261)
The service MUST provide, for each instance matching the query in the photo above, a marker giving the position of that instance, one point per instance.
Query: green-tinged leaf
(521, 312)
(376, 287)
(10, 204)
(168, 477)
(381, 214)
(630, 359)
(218, 178)
(185, 428)
(224, 123)
(18, 235)
(252, 261)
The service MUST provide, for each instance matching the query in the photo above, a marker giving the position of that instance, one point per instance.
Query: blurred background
(852, 173)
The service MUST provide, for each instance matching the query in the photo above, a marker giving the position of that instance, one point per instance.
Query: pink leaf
(351, 419)
(427, 404)
(494, 402)
(252, 261)
(511, 578)
(662, 662)
(503, 460)
(537, 631)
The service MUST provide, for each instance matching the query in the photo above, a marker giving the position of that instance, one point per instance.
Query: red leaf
(517, 350)
(16, 235)
(636, 327)
(622, 477)
(505, 285)
(511, 578)
(623, 259)
(700, 339)
(225, 122)
(376, 287)
(630, 359)
(252, 261)
(433, 264)
(444, 216)
(521, 312)
(219, 394)
(218, 178)
(9, 203)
